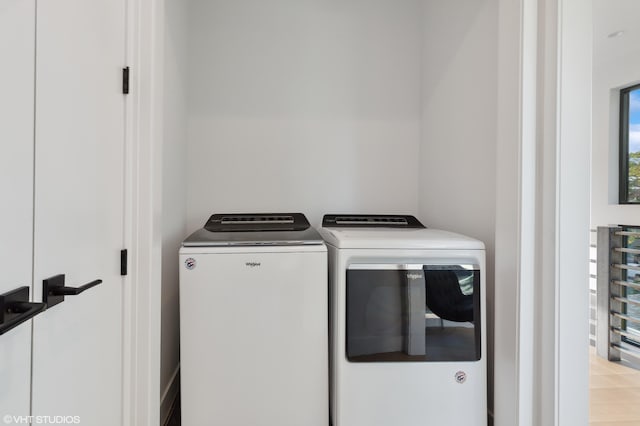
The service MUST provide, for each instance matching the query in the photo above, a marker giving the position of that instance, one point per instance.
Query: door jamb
(142, 292)
(541, 374)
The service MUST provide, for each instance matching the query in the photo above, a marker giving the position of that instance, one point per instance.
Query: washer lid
(254, 229)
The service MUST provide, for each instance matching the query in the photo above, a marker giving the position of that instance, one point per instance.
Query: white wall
(304, 105)
(459, 119)
(616, 65)
(174, 197)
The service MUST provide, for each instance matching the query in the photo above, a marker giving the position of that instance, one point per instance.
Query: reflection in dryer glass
(417, 315)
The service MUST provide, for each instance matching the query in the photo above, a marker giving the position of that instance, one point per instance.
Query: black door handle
(54, 290)
(72, 291)
(15, 308)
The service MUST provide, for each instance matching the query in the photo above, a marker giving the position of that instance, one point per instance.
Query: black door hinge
(125, 80)
(123, 262)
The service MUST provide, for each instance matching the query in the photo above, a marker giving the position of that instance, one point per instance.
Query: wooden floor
(614, 393)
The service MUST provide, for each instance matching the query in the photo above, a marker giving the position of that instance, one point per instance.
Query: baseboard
(169, 396)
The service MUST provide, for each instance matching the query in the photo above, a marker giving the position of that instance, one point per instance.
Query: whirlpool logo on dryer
(252, 264)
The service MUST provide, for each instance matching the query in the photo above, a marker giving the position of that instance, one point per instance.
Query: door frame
(542, 224)
(142, 294)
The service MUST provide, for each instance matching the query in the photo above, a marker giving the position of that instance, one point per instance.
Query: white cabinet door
(79, 208)
(17, 32)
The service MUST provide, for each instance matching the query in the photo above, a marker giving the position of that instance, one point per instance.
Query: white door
(79, 208)
(17, 31)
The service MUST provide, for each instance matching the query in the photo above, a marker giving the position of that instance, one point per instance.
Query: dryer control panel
(370, 221)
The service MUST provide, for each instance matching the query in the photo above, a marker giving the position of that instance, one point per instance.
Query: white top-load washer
(253, 323)
(407, 323)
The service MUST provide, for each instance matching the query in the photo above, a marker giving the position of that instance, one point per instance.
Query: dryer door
(413, 312)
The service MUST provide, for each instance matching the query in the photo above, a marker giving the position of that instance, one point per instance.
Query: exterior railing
(618, 292)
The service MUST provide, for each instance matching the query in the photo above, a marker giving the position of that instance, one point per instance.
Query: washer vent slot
(253, 220)
(257, 222)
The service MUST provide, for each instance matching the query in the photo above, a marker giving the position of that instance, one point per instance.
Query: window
(630, 145)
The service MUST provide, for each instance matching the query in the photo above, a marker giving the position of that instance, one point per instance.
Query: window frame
(623, 175)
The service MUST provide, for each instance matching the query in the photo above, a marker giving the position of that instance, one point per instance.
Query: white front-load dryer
(253, 323)
(407, 323)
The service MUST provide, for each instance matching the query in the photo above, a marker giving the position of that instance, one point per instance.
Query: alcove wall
(327, 106)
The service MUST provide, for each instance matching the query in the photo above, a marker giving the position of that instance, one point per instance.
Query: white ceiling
(610, 16)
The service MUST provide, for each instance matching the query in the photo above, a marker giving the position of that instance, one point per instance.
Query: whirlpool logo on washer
(190, 263)
(252, 264)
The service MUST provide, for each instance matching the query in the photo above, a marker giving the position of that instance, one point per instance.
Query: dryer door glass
(413, 313)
